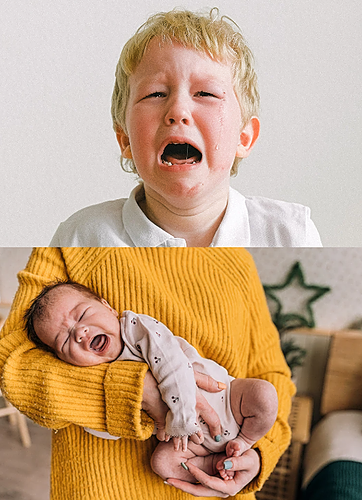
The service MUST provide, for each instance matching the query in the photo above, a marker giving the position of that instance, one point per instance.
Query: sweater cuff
(123, 386)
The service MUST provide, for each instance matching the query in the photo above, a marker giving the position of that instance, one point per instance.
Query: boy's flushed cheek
(228, 124)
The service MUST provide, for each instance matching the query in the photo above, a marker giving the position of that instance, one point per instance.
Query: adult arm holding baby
(233, 326)
(31, 378)
(108, 397)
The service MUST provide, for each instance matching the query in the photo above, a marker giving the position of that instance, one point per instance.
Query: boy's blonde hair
(218, 37)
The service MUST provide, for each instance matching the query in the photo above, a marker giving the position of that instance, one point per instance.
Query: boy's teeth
(169, 164)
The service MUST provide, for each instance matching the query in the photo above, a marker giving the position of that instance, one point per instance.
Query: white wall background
(58, 152)
(12, 260)
(337, 268)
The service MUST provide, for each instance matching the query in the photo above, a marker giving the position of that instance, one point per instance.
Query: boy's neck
(196, 225)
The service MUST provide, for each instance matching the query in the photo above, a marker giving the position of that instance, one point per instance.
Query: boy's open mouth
(99, 343)
(180, 154)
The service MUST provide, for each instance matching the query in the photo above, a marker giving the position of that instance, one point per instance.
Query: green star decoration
(294, 284)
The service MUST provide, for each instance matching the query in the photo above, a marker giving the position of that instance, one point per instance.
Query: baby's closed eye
(82, 315)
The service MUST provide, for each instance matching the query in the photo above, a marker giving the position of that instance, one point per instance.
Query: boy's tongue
(178, 154)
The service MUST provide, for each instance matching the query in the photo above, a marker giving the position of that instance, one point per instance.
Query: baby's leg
(254, 404)
(166, 462)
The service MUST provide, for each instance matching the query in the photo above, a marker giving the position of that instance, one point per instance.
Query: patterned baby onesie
(172, 360)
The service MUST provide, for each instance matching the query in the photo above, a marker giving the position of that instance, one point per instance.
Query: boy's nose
(178, 112)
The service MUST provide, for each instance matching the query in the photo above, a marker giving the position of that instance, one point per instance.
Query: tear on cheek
(179, 154)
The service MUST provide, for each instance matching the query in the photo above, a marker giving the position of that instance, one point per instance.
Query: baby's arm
(152, 341)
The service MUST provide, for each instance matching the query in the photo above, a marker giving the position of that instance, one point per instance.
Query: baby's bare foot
(207, 463)
(225, 473)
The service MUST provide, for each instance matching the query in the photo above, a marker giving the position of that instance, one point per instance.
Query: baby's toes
(226, 475)
(228, 478)
(223, 474)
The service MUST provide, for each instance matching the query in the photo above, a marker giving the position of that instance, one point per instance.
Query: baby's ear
(124, 144)
(105, 303)
(248, 137)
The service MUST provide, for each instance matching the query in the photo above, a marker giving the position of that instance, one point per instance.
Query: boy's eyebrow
(149, 80)
(206, 77)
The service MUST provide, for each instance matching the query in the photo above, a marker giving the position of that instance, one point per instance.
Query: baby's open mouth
(180, 154)
(99, 343)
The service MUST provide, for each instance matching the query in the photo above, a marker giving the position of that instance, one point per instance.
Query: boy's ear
(124, 144)
(248, 137)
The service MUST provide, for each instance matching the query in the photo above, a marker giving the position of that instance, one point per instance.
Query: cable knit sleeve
(267, 362)
(54, 394)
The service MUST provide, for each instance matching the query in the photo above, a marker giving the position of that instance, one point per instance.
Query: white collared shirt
(248, 222)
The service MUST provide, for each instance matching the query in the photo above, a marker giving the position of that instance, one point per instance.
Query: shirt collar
(142, 231)
(234, 229)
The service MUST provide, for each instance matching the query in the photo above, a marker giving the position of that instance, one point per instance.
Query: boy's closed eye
(200, 93)
(203, 93)
(155, 94)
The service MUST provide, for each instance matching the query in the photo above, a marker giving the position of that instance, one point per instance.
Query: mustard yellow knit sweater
(210, 296)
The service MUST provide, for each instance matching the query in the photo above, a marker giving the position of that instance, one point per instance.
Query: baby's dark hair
(37, 308)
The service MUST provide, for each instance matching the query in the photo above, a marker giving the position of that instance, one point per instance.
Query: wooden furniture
(284, 480)
(15, 417)
(341, 390)
(343, 380)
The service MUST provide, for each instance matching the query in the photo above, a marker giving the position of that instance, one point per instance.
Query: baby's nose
(80, 333)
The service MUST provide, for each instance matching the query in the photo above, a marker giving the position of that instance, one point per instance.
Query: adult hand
(153, 404)
(156, 408)
(203, 409)
(245, 468)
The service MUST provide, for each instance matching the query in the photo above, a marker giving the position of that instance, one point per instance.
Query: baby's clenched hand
(161, 434)
(197, 437)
